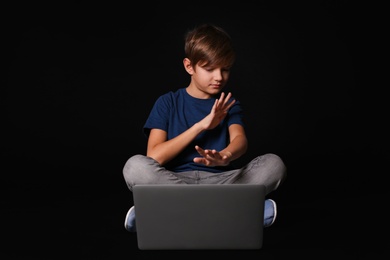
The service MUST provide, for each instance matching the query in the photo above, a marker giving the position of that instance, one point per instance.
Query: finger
(222, 96)
(226, 104)
(209, 153)
(219, 102)
(217, 155)
(201, 160)
(198, 148)
(200, 151)
(215, 105)
(230, 104)
(229, 95)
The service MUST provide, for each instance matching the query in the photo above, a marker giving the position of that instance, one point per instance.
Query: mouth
(216, 86)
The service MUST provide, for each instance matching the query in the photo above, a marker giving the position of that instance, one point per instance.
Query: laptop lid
(212, 216)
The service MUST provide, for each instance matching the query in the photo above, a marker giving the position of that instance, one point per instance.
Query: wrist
(199, 127)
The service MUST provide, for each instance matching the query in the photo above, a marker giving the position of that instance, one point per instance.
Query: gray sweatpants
(268, 170)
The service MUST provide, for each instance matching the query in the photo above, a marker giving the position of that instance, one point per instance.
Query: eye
(209, 69)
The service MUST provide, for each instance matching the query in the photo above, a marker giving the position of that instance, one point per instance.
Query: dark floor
(81, 221)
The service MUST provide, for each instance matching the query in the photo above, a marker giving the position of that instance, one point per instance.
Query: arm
(162, 150)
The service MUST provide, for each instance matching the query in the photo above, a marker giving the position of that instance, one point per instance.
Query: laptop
(192, 216)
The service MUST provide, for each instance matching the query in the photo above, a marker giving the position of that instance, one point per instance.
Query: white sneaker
(269, 212)
(130, 220)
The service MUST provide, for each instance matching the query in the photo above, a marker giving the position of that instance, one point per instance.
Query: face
(207, 81)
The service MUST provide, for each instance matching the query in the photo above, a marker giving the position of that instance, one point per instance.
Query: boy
(195, 133)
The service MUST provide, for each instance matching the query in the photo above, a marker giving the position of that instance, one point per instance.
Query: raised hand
(218, 112)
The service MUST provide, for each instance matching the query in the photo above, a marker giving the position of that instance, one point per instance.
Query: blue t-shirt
(175, 112)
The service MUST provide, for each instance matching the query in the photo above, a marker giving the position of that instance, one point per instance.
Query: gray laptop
(212, 216)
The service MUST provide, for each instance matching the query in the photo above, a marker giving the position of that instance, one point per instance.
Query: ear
(187, 66)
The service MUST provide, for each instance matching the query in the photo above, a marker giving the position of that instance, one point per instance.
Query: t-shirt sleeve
(236, 114)
(159, 115)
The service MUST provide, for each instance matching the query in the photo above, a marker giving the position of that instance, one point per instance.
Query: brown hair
(209, 45)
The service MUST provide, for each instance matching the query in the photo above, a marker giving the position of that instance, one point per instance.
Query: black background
(82, 77)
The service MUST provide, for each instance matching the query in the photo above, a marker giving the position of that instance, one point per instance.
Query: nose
(218, 74)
